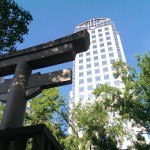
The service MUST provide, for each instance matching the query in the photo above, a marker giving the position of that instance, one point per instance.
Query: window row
(97, 71)
(102, 45)
(103, 56)
(96, 52)
(81, 97)
(101, 40)
(99, 30)
(90, 87)
(101, 35)
(96, 64)
(97, 79)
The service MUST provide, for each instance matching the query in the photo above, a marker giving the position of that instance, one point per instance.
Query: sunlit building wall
(94, 66)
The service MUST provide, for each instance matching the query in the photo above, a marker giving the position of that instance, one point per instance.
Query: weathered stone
(30, 93)
(16, 105)
(43, 81)
(47, 54)
(21, 64)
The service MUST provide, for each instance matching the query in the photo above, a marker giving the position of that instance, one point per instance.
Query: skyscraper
(94, 66)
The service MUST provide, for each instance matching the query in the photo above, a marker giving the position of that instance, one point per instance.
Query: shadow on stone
(38, 136)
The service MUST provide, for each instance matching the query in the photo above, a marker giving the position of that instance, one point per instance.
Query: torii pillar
(22, 63)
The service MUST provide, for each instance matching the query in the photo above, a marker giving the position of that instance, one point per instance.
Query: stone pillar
(15, 107)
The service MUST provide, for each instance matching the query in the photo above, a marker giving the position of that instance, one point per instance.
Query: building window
(117, 83)
(107, 33)
(97, 78)
(90, 96)
(93, 36)
(96, 64)
(94, 46)
(95, 57)
(108, 83)
(100, 35)
(101, 40)
(110, 49)
(105, 23)
(88, 59)
(90, 87)
(97, 71)
(99, 30)
(87, 53)
(102, 45)
(81, 97)
(89, 80)
(105, 69)
(103, 56)
(81, 89)
(106, 76)
(73, 78)
(108, 38)
(80, 74)
(93, 31)
(98, 25)
(118, 51)
(112, 60)
(80, 67)
(88, 66)
(108, 43)
(104, 62)
(112, 68)
(89, 72)
(93, 41)
(111, 55)
(117, 44)
(106, 29)
(80, 55)
(81, 81)
(80, 61)
(103, 50)
(95, 52)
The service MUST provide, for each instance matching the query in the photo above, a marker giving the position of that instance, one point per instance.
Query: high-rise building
(95, 66)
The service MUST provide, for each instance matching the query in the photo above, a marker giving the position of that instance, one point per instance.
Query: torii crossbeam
(24, 84)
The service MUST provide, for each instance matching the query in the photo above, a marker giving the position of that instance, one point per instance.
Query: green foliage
(2, 106)
(135, 98)
(102, 123)
(47, 108)
(93, 126)
(99, 124)
(13, 25)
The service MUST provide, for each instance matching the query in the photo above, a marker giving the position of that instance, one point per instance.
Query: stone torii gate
(26, 85)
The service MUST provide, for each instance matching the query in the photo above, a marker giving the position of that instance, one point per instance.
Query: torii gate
(25, 85)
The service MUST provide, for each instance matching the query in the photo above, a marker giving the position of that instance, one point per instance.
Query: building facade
(95, 66)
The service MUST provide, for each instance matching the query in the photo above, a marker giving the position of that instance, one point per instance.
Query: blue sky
(53, 19)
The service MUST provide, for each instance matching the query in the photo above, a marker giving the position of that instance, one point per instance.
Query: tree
(101, 123)
(134, 101)
(1, 110)
(14, 24)
(46, 108)
(95, 127)
(93, 123)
